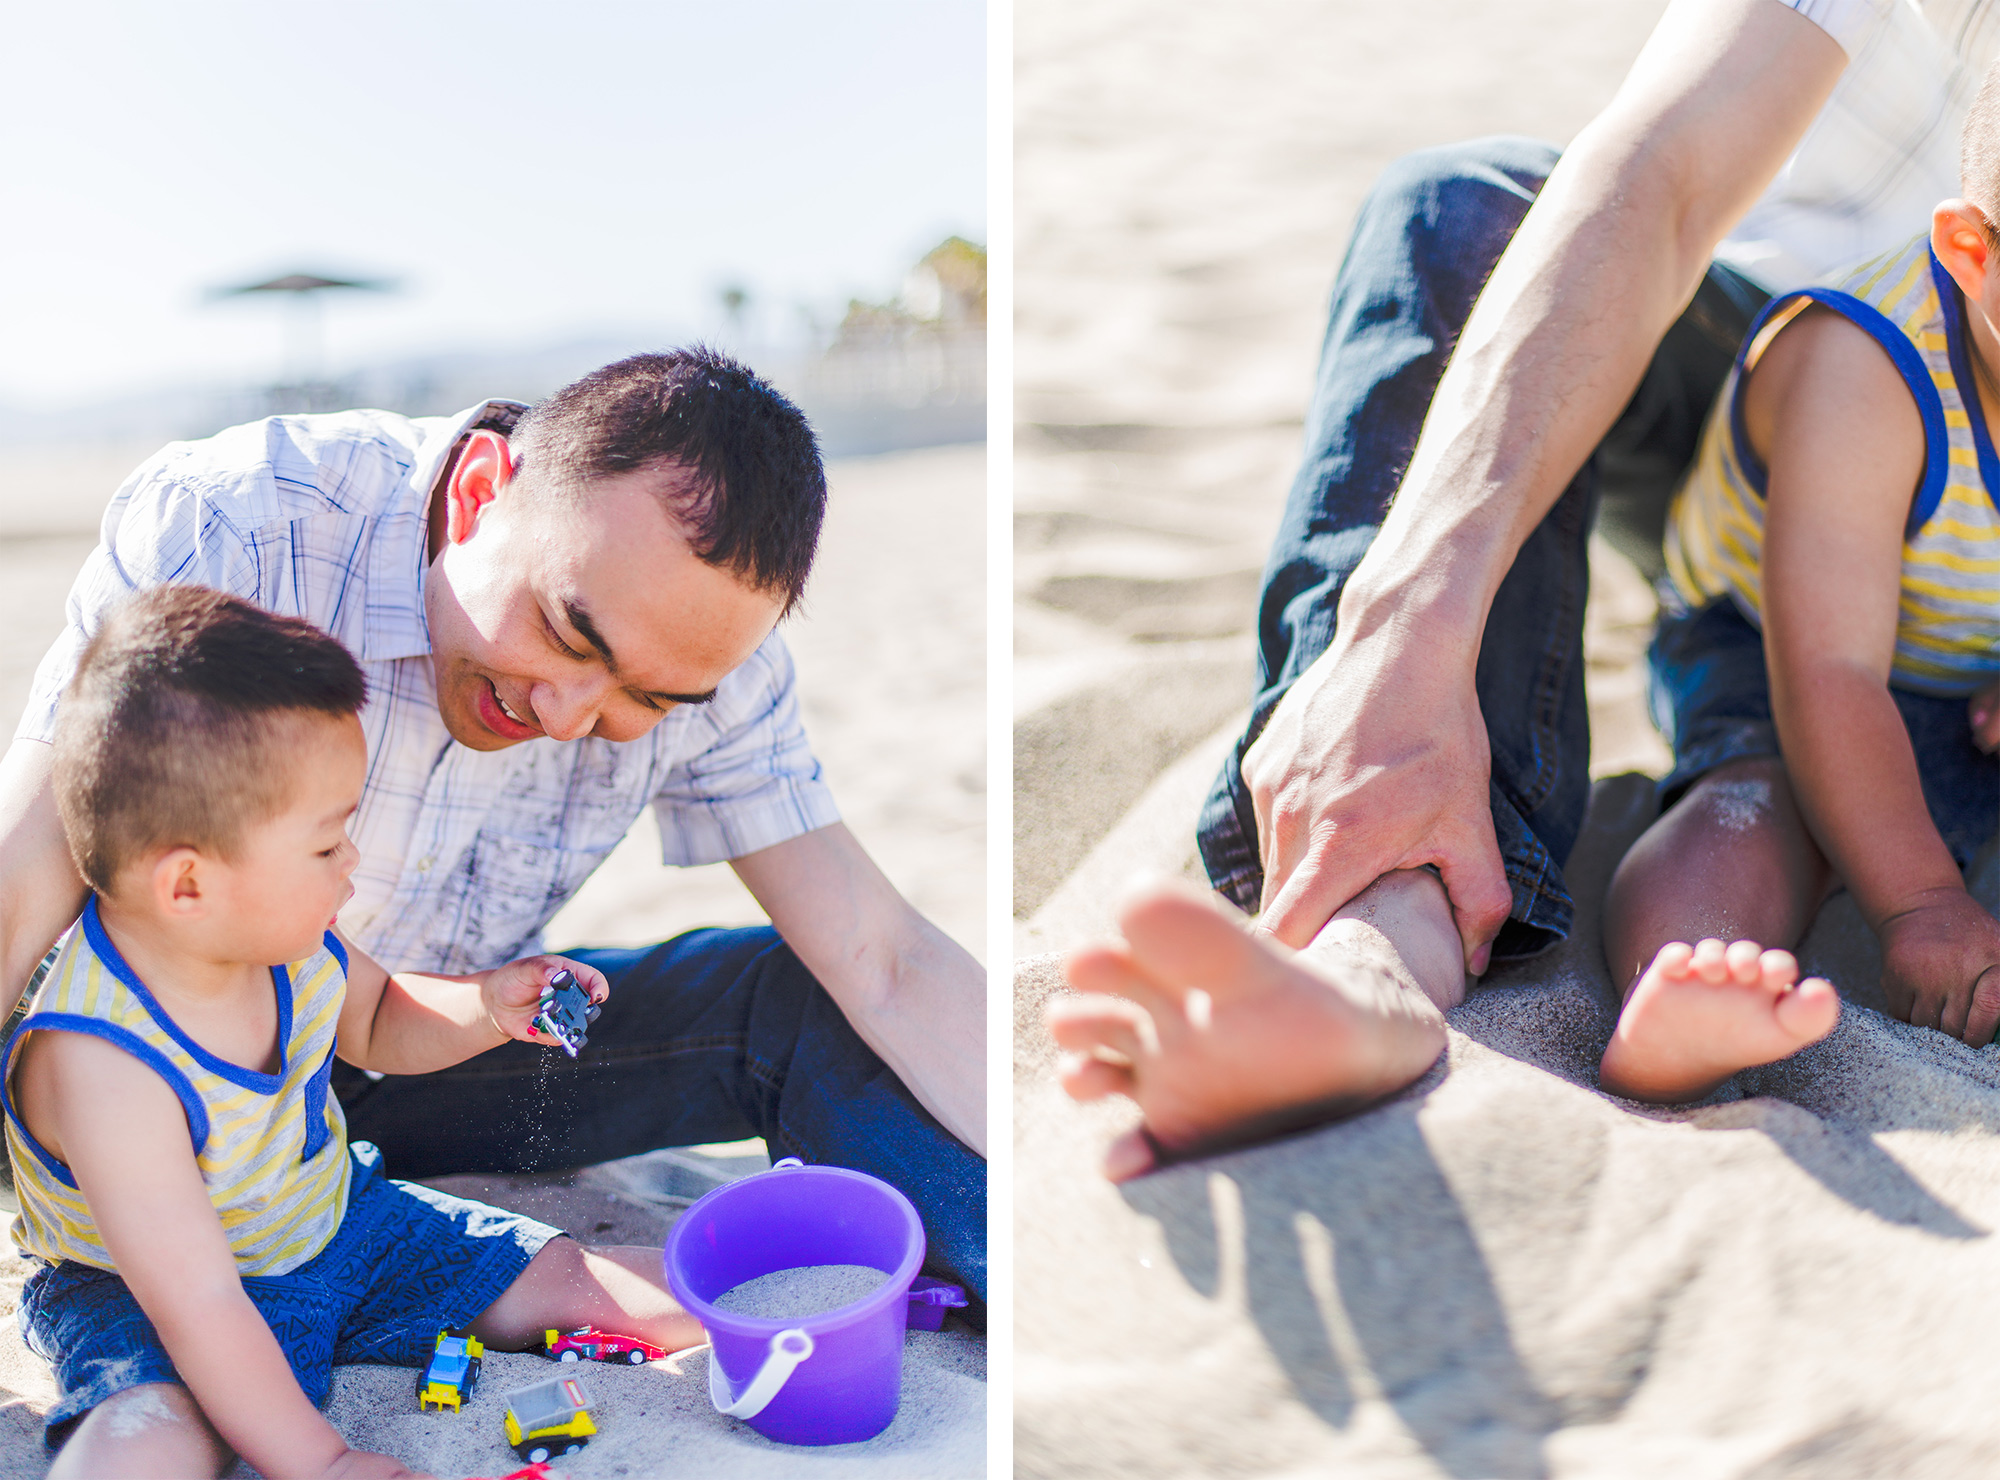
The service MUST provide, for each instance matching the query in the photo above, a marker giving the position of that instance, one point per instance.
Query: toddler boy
(210, 1245)
(1835, 557)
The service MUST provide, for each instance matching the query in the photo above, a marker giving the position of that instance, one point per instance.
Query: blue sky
(528, 172)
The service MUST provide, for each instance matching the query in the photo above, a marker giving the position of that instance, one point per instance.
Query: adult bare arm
(913, 994)
(40, 891)
(1377, 758)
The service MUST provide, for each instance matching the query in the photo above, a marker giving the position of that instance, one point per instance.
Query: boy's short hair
(164, 737)
(756, 497)
(1979, 152)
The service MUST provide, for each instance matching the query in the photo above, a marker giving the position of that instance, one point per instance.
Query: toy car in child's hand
(452, 1374)
(564, 1012)
(588, 1344)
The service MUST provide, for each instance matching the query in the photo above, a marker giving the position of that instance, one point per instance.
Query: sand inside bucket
(787, 1294)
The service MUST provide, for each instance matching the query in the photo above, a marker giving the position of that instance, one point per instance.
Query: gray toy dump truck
(548, 1418)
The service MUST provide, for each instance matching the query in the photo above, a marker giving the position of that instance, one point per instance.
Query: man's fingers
(1984, 1015)
(1476, 883)
(1326, 878)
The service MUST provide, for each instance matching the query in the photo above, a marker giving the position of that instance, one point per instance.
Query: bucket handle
(788, 1349)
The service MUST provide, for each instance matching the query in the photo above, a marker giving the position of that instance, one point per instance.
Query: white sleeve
(753, 781)
(1849, 22)
(158, 529)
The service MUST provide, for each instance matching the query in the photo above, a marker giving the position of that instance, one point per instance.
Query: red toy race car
(587, 1343)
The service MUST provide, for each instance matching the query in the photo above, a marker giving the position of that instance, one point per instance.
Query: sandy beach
(890, 650)
(1502, 1271)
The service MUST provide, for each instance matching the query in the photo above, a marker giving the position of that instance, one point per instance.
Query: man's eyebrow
(580, 619)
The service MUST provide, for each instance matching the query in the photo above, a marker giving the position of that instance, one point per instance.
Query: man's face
(560, 616)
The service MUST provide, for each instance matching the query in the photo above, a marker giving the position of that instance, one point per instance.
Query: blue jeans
(1423, 246)
(716, 1035)
(1711, 698)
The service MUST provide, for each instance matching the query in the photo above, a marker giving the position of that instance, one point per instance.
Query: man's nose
(568, 710)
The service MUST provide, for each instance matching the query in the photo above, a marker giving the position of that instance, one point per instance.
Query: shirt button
(424, 864)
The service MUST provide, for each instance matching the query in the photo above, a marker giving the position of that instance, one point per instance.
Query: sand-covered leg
(1223, 1036)
(620, 1288)
(1732, 860)
(155, 1429)
(1699, 1013)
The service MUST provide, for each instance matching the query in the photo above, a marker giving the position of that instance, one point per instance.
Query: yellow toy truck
(549, 1418)
(452, 1374)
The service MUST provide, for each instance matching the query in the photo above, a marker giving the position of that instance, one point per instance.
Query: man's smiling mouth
(508, 710)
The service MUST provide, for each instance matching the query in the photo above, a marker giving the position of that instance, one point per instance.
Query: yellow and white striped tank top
(1948, 628)
(271, 1147)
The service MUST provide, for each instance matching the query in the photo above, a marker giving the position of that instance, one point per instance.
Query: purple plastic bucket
(829, 1378)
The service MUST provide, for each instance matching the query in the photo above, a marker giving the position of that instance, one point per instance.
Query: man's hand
(512, 993)
(1376, 760)
(1941, 965)
(1984, 711)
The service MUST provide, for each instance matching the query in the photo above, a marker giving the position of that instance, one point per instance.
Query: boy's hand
(1985, 714)
(1941, 965)
(359, 1464)
(513, 992)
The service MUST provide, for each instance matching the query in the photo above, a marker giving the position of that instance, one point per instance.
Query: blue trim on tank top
(1908, 362)
(118, 1037)
(250, 1079)
(1951, 307)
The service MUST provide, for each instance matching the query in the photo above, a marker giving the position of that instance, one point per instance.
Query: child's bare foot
(1222, 1036)
(1700, 1013)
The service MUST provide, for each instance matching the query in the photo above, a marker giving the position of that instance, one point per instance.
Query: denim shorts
(405, 1263)
(1711, 698)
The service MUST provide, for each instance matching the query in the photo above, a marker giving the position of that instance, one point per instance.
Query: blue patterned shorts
(405, 1263)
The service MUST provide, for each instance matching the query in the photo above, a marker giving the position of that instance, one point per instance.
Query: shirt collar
(396, 625)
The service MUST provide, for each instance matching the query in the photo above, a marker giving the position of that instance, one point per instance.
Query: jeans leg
(1424, 244)
(712, 1036)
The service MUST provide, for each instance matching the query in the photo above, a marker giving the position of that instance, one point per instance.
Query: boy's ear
(175, 882)
(484, 467)
(1958, 237)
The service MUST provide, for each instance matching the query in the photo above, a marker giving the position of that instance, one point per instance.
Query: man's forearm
(40, 893)
(913, 994)
(1611, 251)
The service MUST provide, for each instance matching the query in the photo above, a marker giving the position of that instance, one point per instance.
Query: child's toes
(1808, 1011)
(1743, 958)
(1083, 1077)
(1779, 968)
(1675, 961)
(1129, 1156)
(1711, 962)
(1089, 1024)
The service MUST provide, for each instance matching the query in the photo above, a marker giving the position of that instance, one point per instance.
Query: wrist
(1884, 914)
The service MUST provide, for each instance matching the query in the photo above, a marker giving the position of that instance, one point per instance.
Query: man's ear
(1958, 237)
(484, 467)
(175, 881)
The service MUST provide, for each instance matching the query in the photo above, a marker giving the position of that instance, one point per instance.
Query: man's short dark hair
(756, 492)
(167, 734)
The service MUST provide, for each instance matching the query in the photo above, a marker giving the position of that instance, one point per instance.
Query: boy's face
(571, 617)
(279, 895)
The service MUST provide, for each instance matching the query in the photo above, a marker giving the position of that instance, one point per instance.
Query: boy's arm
(417, 1022)
(1846, 449)
(124, 1137)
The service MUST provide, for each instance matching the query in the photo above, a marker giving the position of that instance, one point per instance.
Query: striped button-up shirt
(465, 854)
(1883, 150)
